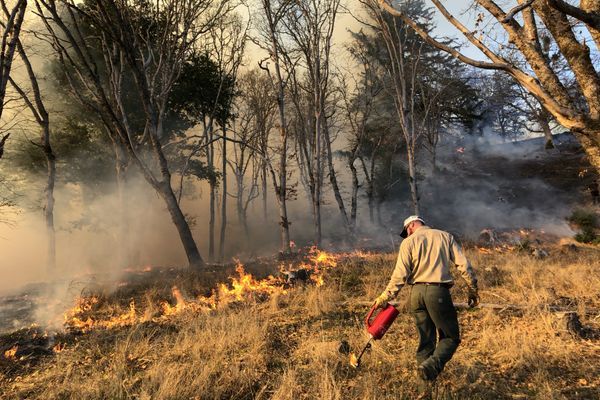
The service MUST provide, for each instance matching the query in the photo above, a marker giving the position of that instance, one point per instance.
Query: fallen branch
(500, 307)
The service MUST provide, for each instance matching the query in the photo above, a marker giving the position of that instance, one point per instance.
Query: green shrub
(584, 219)
(587, 235)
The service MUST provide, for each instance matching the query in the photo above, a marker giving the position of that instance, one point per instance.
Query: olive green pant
(437, 325)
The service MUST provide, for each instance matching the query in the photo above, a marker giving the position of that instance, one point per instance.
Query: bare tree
(404, 60)
(34, 101)
(227, 45)
(260, 102)
(11, 30)
(273, 13)
(310, 25)
(578, 111)
(152, 41)
(246, 160)
(358, 100)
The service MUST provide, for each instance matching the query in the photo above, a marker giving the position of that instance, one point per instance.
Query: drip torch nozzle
(376, 329)
(355, 361)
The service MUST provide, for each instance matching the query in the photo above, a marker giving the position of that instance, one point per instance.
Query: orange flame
(246, 286)
(59, 347)
(87, 314)
(75, 318)
(11, 353)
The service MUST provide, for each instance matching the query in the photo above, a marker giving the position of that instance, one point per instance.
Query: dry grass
(286, 347)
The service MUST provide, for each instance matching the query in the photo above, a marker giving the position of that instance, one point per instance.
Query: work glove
(473, 297)
(381, 301)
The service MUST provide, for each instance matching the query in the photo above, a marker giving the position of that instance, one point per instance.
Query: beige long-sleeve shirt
(425, 257)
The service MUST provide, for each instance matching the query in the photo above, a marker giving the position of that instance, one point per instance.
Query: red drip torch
(382, 322)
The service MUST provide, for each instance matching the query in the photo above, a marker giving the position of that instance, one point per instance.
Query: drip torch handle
(369, 315)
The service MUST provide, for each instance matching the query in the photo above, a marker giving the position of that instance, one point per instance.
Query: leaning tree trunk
(165, 189)
(224, 197)
(185, 234)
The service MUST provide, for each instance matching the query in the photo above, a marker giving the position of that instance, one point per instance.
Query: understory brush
(287, 345)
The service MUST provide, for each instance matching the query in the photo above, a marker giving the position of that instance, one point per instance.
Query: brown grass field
(284, 344)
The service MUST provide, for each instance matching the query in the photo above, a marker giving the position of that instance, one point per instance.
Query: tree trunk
(543, 118)
(334, 184)
(547, 134)
(369, 176)
(354, 204)
(282, 194)
(264, 191)
(212, 198)
(49, 194)
(224, 197)
(121, 167)
(412, 179)
(282, 189)
(166, 190)
(318, 184)
(589, 142)
(185, 234)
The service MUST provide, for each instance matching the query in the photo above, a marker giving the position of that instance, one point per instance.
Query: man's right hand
(473, 297)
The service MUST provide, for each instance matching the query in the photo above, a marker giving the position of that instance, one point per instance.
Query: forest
(169, 167)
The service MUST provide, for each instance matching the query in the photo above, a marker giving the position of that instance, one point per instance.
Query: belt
(440, 284)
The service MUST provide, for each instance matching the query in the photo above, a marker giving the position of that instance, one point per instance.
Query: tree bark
(49, 194)
(412, 179)
(281, 186)
(121, 168)
(263, 178)
(544, 124)
(334, 185)
(592, 6)
(355, 186)
(224, 197)
(185, 234)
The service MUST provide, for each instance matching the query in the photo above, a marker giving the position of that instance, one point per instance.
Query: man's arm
(462, 264)
(401, 272)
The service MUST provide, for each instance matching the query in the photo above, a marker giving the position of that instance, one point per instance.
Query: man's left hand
(381, 301)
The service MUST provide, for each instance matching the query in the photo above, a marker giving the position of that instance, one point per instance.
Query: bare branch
(511, 14)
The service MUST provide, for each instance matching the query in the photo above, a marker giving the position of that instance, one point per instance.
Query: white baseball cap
(407, 222)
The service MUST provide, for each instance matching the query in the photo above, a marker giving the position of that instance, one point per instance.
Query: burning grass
(259, 337)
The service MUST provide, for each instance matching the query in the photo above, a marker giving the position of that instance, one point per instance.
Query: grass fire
(308, 199)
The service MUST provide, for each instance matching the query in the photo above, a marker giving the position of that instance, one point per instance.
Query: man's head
(411, 224)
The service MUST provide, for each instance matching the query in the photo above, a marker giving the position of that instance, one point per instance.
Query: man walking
(423, 263)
